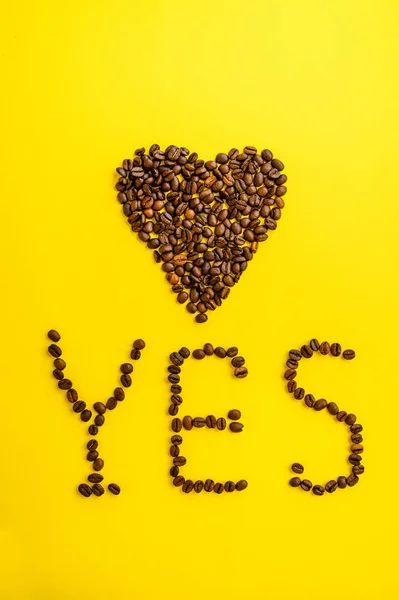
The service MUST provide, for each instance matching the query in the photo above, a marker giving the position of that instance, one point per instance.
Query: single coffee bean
(174, 370)
(241, 485)
(331, 486)
(199, 422)
(229, 486)
(349, 354)
(341, 415)
(59, 364)
(231, 352)
(173, 410)
(310, 400)
(356, 428)
(335, 349)
(295, 482)
(178, 481)
(176, 439)
(79, 406)
(176, 358)
(332, 408)
(112, 403)
(241, 372)
(174, 451)
(187, 423)
(199, 354)
(220, 352)
(188, 486)
(209, 485)
(289, 374)
(139, 344)
(98, 464)
(211, 421)
(176, 424)
(291, 386)
(234, 414)
(341, 482)
(318, 490)
(97, 489)
(126, 380)
(324, 348)
(314, 344)
(357, 448)
(208, 349)
(357, 438)
(176, 389)
(198, 486)
(65, 384)
(306, 351)
(99, 420)
(135, 354)
(352, 480)
(57, 374)
(85, 415)
(236, 427)
(354, 459)
(174, 471)
(176, 399)
(95, 478)
(179, 461)
(92, 445)
(299, 393)
(201, 318)
(55, 350)
(114, 489)
(85, 490)
(306, 485)
(221, 423)
(358, 469)
(119, 394)
(238, 361)
(292, 364)
(100, 407)
(297, 468)
(53, 335)
(218, 488)
(295, 355)
(184, 352)
(126, 368)
(93, 429)
(350, 419)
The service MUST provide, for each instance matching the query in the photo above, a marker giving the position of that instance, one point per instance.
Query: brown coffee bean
(335, 349)
(324, 348)
(97, 489)
(238, 361)
(187, 423)
(220, 352)
(174, 471)
(176, 424)
(332, 408)
(85, 416)
(179, 461)
(295, 482)
(352, 480)
(208, 349)
(218, 488)
(357, 448)
(53, 335)
(119, 394)
(126, 368)
(318, 490)
(320, 404)
(112, 403)
(349, 354)
(306, 351)
(65, 384)
(93, 429)
(184, 352)
(85, 490)
(209, 485)
(306, 485)
(173, 410)
(331, 486)
(231, 352)
(188, 486)
(241, 485)
(221, 423)
(79, 406)
(299, 393)
(291, 386)
(236, 427)
(139, 344)
(310, 400)
(176, 359)
(350, 419)
(99, 420)
(341, 482)
(354, 459)
(229, 486)
(202, 318)
(234, 414)
(135, 354)
(241, 372)
(297, 468)
(176, 439)
(114, 489)
(290, 374)
(356, 428)
(176, 399)
(95, 478)
(357, 438)
(211, 421)
(55, 350)
(199, 354)
(99, 407)
(126, 380)
(292, 364)
(341, 415)
(178, 481)
(198, 486)
(98, 464)
(199, 422)
(57, 374)
(59, 364)
(174, 451)
(357, 469)
(314, 344)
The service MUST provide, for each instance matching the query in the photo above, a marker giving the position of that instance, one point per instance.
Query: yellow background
(84, 84)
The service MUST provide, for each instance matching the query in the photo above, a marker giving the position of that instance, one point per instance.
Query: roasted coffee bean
(98, 464)
(174, 370)
(99, 407)
(320, 404)
(236, 427)
(299, 393)
(295, 355)
(241, 485)
(231, 352)
(331, 486)
(350, 419)
(208, 349)
(114, 489)
(335, 349)
(55, 350)
(358, 469)
(184, 352)
(178, 481)
(297, 468)
(174, 451)
(93, 429)
(220, 352)
(99, 420)
(352, 480)
(341, 482)
(209, 485)
(198, 486)
(97, 489)
(291, 386)
(135, 354)
(92, 445)
(306, 485)
(356, 438)
(234, 414)
(306, 351)
(126, 380)
(176, 399)
(318, 490)
(176, 439)
(202, 318)
(295, 482)
(238, 361)
(188, 486)
(355, 459)
(139, 344)
(119, 394)
(176, 358)
(310, 400)
(65, 384)
(324, 348)
(126, 368)
(211, 421)
(85, 415)
(332, 408)
(111, 403)
(341, 415)
(199, 422)
(229, 486)
(221, 423)
(314, 344)
(95, 478)
(357, 448)
(59, 364)
(79, 406)
(187, 423)
(292, 364)
(356, 428)
(85, 490)
(241, 372)
(199, 354)
(57, 374)
(218, 488)
(173, 378)
(53, 335)
(176, 425)
(174, 471)
(290, 374)
(349, 354)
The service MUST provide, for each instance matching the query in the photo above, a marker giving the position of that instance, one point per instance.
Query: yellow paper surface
(83, 85)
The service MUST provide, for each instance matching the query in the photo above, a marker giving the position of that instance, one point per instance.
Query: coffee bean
(292, 364)
(320, 404)
(297, 468)
(358, 469)
(188, 486)
(208, 349)
(174, 471)
(306, 351)
(295, 482)
(357, 448)
(349, 354)
(53, 335)
(126, 368)
(184, 352)
(229, 486)
(291, 386)
(331, 486)
(318, 490)
(211, 421)
(352, 480)
(114, 489)
(354, 459)
(85, 490)
(306, 485)
(174, 451)
(310, 400)
(176, 399)
(119, 394)
(241, 372)
(241, 485)
(92, 445)
(111, 403)
(176, 425)
(65, 384)
(135, 354)
(341, 482)
(238, 361)
(299, 393)
(209, 485)
(198, 486)
(199, 422)
(59, 364)
(314, 344)
(341, 415)
(178, 481)
(139, 344)
(231, 352)
(356, 428)
(350, 419)
(324, 348)
(126, 380)
(221, 423)
(357, 438)
(176, 358)
(99, 407)
(295, 355)
(97, 489)
(290, 374)
(179, 461)
(332, 408)
(187, 423)
(236, 427)
(234, 414)
(199, 354)
(95, 478)
(218, 488)
(220, 352)
(335, 349)
(85, 415)
(79, 406)
(202, 318)
(173, 378)
(57, 374)
(99, 420)
(93, 429)
(98, 464)
(55, 350)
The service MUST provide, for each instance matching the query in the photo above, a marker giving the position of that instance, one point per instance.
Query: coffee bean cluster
(356, 448)
(203, 220)
(211, 421)
(100, 409)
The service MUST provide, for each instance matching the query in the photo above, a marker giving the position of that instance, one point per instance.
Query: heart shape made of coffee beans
(203, 220)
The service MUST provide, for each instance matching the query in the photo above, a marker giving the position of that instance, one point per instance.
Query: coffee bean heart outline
(203, 220)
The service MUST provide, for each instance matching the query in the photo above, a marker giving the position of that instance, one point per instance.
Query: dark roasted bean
(114, 489)
(85, 490)
(126, 380)
(341, 482)
(297, 468)
(324, 348)
(355, 459)
(139, 344)
(234, 414)
(314, 344)
(335, 349)
(320, 404)
(352, 479)
(85, 415)
(236, 427)
(174, 451)
(332, 408)
(220, 352)
(199, 422)
(318, 490)
(218, 488)
(331, 486)
(93, 429)
(290, 374)
(358, 469)
(306, 351)
(356, 438)
(176, 439)
(350, 419)
(98, 464)
(174, 471)
(291, 386)
(221, 423)
(295, 355)
(65, 384)
(199, 354)
(208, 349)
(176, 424)
(299, 393)
(119, 394)
(53, 335)
(341, 415)
(292, 364)
(99, 420)
(241, 485)
(349, 354)
(231, 352)
(97, 489)
(92, 445)
(229, 486)
(95, 478)
(57, 374)
(100, 408)
(178, 481)
(59, 364)
(356, 428)
(187, 423)
(126, 368)
(209, 485)
(188, 486)
(238, 361)
(211, 421)
(295, 482)
(111, 403)
(79, 406)
(55, 350)
(306, 485)
(198, 486)
(241, 372)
